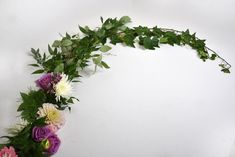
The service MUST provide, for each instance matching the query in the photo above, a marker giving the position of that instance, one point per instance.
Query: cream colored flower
(52, 114)
(63, 88)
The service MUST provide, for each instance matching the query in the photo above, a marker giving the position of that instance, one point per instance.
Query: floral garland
(42, 109)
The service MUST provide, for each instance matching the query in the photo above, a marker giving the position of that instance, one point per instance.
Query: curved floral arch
(42, 109)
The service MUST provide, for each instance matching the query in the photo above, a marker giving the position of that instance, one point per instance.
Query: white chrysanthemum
(63, 88)
(52, 114)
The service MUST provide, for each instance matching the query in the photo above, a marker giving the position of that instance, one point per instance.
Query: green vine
(72, 53)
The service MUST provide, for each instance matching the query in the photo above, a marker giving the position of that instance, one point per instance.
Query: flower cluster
(47, 138)
(56, 83)
(8, 152)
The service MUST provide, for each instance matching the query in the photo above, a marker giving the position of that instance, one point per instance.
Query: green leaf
(66, 42)
(101, 19)
(163, 40)
(83, 30)
(125, 19)
(105, 48)
(50, 50)
(59, 68)
(23, 95)
(105, 65)
(38, 71)
(109, 26)
(56, 43)
(100, 33)
(129, 40)
(34, 65)
(148, 44)
(226, 70)
(213, 56)
(123, 28)
(155, 41)
(30, 104)
(97, 60)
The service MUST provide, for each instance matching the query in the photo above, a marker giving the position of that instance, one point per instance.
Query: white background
(162, 103)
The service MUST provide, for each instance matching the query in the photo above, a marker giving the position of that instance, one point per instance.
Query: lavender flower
(40, 133)
(54, 144)
(45, 82)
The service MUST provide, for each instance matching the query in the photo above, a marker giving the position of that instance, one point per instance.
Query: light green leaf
(59, 68)
(97, 60)
(66, 42)
(163, 40)
(105, 65)
(56, 43)
(105, 48)
(125, 19)
(109, 26)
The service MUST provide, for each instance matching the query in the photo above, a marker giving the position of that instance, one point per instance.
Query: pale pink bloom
(8, 152)
(53, 128)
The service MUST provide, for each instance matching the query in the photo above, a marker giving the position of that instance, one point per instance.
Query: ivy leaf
(125, 19)
(148, 44)
(226, 70)
(129, 40)
(213, 56)
(155, 41)
(105, 48)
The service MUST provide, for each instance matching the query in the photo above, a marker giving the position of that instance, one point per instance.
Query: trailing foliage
(72, 53)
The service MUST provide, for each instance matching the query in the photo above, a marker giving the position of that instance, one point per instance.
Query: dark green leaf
(38, 71)
(50, 50)
(148, 44)
(226, 70)
(101, 19)
(213, 56)
(34, 65)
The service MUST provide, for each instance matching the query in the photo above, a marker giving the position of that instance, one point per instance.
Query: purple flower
(56, 78)
(45, 82)
(54, 144)
(40, 133)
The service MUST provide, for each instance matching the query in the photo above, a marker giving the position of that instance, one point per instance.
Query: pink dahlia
(8, 152)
